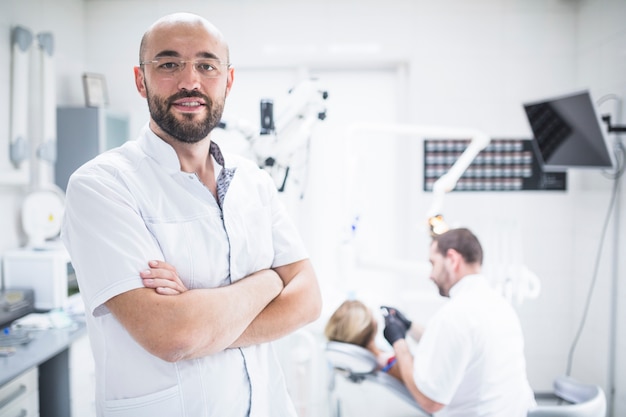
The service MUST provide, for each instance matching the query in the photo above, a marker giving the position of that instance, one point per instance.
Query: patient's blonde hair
(353, 322)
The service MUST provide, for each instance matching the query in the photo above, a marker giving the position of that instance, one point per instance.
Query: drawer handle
(16, 394)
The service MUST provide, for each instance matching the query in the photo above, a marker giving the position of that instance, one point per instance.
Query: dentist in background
(470, 359)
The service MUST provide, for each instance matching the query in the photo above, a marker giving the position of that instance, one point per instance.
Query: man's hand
(394, 329)
(394, 311)
(163, 278)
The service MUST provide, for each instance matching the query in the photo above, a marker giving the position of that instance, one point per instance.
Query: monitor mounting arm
(613, 129)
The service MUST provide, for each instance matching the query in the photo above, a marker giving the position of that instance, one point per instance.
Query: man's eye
(205, 66)
(169, 65)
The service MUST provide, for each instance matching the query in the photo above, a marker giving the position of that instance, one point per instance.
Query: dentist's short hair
(463, 241)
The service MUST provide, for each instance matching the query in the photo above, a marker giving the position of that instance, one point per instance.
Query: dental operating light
(447, 182)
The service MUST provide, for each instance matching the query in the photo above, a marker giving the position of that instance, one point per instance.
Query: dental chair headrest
(359, 364)
(355, 361)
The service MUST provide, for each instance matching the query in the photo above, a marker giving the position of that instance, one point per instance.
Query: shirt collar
(468, 283)
(166, 156)
(216, 153)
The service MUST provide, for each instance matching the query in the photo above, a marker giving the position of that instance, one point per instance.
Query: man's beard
(187, 131)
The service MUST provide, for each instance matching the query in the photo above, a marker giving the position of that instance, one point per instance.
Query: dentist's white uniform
(471, 355)
(134, 204)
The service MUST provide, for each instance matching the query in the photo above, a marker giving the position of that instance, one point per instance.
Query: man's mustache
(187, 94)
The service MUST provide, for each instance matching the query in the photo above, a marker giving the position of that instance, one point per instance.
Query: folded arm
(298, 304)
(194, 323)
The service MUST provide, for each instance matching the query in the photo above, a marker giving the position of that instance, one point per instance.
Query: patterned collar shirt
(133, 204)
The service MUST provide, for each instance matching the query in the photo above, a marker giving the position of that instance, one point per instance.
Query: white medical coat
(133, 204)
(471, 355)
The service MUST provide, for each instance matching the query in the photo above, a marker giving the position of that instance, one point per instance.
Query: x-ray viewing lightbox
(568, 133)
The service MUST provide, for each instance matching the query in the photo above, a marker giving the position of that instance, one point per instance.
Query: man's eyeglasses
(169, 66)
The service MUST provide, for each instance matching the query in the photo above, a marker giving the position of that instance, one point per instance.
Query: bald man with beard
(186, 260)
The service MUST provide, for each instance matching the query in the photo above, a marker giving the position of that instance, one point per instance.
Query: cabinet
(45, 361)
(20, 397)
(83, 133)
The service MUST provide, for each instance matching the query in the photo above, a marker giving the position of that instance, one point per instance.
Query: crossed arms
(174, 323)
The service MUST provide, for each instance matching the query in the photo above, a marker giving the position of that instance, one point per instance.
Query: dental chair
(570, 398)
(357, 388)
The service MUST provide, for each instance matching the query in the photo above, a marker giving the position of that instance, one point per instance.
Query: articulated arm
(447, 182)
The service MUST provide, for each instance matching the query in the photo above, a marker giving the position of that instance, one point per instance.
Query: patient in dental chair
(353, 322)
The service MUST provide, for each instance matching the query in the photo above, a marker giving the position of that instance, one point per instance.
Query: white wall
(467, 64)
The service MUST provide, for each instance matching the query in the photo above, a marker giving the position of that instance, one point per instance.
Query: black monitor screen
(567, 133)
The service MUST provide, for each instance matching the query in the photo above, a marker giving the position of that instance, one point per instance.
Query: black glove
(394, 311)
(394, 329)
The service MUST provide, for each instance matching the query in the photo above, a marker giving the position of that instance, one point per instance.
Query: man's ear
(454, 259)
(229, 80)
(140, 81)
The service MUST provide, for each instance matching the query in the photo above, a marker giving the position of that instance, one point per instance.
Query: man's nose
(189, 78)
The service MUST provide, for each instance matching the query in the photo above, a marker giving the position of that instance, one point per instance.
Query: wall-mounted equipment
(504, 165)
(568, 133)
(21, 42)
(33, 104)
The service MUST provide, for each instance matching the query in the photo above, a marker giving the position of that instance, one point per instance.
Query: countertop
(44, 345)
